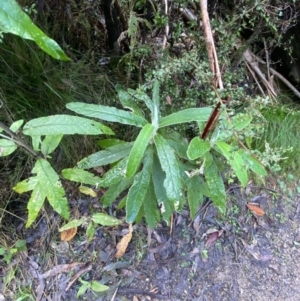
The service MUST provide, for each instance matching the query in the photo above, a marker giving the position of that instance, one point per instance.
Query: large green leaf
(107, 156)
(45, 184)
(194, 194)
(64, 124)
(138, 190)
(138, 149)
(170, 166)
(158, 178)
(7, 147)
(188, 115)
(150, 207)
(197, 148)
(81, 176)
(114, 191)
(107, 113)
(50, 143)
(14, 20)
(216, 186)
(240, 169)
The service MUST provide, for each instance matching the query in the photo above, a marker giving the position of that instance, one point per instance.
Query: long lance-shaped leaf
(107, 113)
(158, 178)
(114, 191)
(188, 115)
(216, 186)
(64, 124)
(138, 149)
(14, 20)
(138, 190)
(107, 156)
(150, 207)
(170, 166)
(195, 194)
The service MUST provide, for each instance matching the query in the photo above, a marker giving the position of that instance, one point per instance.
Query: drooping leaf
(7, 147)
(50, 143)
(15, 126)
(216, 186)
(158, 178)
(138, 149)
(114, 191)
(14, 20)
(195, 195)
(107, 156)
(187, 115)
(81, 176)
(197, 148)
(45, 184)
(170, 166)
(105, 219)
(139, 188)
(127, 101)
(150, 206)
(64, 124)
(239, 168)
(107, 113)
(36, 141)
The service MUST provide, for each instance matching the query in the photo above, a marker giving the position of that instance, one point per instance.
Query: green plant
(158, 168)
(92, 285)
(9, 252)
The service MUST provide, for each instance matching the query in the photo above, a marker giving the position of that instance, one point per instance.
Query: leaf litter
(222, 259)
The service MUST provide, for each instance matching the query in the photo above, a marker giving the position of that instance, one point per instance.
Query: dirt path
(254, 258)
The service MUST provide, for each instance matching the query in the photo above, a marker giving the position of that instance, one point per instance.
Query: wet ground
(240, 257)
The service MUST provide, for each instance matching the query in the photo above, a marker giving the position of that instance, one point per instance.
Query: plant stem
(17, 140)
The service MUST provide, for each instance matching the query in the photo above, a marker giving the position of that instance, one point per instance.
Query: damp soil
(240, 257)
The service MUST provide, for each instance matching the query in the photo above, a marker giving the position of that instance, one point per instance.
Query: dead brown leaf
(257, 211)
(122, 245)
(67, 235)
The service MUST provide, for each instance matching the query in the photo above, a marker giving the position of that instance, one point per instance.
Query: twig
(16, 139)
(210, 45)
(167, 26)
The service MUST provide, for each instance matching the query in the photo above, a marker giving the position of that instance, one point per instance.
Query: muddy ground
(240, 257)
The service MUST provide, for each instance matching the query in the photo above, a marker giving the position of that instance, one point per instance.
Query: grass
(282, 131)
